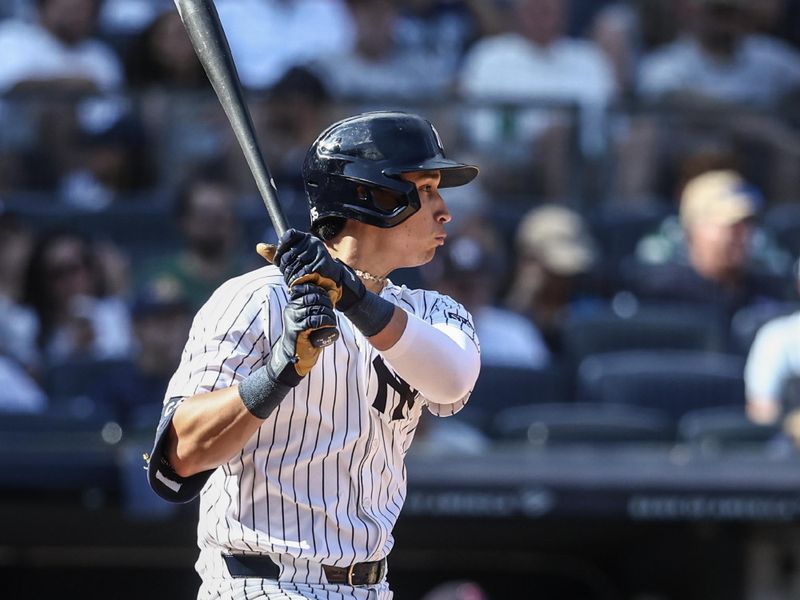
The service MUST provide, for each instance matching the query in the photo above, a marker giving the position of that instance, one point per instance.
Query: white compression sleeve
(439, 361)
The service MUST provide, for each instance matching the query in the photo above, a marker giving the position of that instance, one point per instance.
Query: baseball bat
(202, 24)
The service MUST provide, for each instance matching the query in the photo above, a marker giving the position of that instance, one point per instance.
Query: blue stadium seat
(500, 387)
(57, 453)
(652, 326)
(672, 381)
(581, 423)
(719, 428)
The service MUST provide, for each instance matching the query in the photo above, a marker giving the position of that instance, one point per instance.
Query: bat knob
(324, 336)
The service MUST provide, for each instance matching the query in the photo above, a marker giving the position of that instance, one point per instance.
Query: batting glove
(302, 257)
(293, 355)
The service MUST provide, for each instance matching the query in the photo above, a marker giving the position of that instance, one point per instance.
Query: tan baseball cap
(719, 197)
(558, 237)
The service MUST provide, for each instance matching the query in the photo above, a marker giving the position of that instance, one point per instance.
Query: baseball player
(297, 453)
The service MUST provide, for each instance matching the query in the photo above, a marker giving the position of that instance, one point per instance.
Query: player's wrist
(263, 390)
(371, 314)
(353, 289)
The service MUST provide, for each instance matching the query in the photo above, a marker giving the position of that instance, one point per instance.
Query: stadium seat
(68, 386)
(723, 427)
(748, 320)
(673, 381)
(649, 327)
(783, 221)
(57, 453)
(589, 423)
(500, 387)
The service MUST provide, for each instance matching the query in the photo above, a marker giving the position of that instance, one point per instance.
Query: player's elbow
(189, 457)
(457, 376)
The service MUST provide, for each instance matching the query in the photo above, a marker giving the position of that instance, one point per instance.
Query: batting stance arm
(200, 433)
(439, 361)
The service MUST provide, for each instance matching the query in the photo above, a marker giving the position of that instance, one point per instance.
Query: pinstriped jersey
(323, 479)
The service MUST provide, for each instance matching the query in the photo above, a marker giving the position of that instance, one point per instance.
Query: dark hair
(300, 81)
(206, 174)
(36, 291)
(328, 228)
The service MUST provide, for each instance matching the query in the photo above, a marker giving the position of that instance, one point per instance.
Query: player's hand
(302, 258)
(293, 355)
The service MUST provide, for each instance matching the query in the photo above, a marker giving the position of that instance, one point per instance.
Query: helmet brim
(454, 174)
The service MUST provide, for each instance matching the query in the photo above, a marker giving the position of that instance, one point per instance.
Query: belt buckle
(350, 575)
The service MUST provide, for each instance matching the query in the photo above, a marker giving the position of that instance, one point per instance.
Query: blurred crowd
(638, 157)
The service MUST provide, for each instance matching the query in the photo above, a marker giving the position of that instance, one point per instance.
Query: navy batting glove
(293, 355)
(302, 255)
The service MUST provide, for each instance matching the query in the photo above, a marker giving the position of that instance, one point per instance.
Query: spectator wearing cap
(718, 213)
(555, 254)
(773, 363)
(472, 268)
(134, 388)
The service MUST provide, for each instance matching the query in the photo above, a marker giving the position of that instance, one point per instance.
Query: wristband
(371, 314)
(261, 392)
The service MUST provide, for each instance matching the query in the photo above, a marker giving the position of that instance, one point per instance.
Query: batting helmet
(370, 151)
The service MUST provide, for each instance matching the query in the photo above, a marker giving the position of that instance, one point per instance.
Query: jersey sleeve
(443, 312)
(229, 339)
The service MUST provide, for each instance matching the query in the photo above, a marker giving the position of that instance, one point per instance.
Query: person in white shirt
(773, 361)
(533, 62)
(59, 51)
(268, 37)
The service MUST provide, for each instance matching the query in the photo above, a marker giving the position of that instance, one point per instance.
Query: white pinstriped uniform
(323, 479)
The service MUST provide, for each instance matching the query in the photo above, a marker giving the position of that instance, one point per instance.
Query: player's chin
(421, 258)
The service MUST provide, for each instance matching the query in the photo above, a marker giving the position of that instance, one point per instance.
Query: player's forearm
(442, 364)
(207, 430)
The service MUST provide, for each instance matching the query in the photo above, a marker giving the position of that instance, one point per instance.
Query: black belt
(263, 567)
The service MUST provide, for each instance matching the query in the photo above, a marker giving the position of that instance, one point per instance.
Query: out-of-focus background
(629, 254)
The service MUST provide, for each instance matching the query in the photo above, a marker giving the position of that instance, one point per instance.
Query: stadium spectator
(268, 37)
(721, 61)
(110, 159)
(616, 31)
(725, 86)
(161, 56)
(555, 251)
(534, 61)
(59, 51)
(205, 211)
(773, 362)
(446, 29)
(472, 267)
(291, 115)
(134, 389)
(379, 67)
(18, 323)
(77, 318)
(718, 212)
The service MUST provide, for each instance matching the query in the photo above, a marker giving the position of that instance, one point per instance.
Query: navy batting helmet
(370, 151)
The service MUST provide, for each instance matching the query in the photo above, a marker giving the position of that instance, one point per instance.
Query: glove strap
(371, 315)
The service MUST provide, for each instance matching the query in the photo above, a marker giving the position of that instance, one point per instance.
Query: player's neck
(363, 260)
